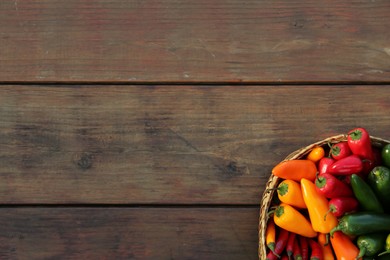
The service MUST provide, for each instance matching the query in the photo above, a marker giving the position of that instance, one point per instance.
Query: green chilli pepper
(361, 223)
(371, 244)
(379, 180)
(365, 195)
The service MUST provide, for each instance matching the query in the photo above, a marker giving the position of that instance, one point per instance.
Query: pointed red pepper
(316, 250)
(304, 243)
(290, 244)
(282, 241)
(297, 250)
(360, 143)
(340, 150)
(324, 164)
(346, 166)
(331, 187)
(368, 165)
(341, 206)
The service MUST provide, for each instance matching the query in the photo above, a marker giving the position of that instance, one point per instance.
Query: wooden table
(147, 129)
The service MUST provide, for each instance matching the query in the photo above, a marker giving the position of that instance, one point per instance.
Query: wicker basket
(273, 181)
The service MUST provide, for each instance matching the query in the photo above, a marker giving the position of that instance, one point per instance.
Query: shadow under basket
(273, 182)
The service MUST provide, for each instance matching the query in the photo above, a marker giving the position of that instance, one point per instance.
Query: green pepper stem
(336, 228)
(270, 213)
(326, 214)
(362, 252)
(384, 253)
(271, 246)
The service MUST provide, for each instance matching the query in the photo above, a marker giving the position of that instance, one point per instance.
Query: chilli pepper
(284, 257)
(385, 155)
(326, 248)
(271, 256)
(368, 165)
(379, 180)
(340, 206)
(295, 170)
(360, 143)
(270, 235)
(318, 208)
(316, 154)
(387, 246)
(348, 165)
(324, 164)
(360, 223)
(290, 244)
(340, 150)
(343, 247)
(297, 250)
(288, 218)
(304, 244)
(371, 244)
(281, 242)
(331, 187)
(365, 195)
(289, 192)
(316, 250)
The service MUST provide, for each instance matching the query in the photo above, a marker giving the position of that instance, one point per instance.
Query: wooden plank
(167, 144)
(128, 233)
(187, 41)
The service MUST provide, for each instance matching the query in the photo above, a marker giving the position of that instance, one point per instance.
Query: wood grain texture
(122, 233)
(166, 144)
(201, 41)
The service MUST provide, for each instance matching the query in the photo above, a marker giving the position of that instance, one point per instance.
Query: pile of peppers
(332, 204)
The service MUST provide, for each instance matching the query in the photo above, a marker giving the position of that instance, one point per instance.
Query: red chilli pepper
(341, 206)
(290, 244)
(340, 150)
(304, 247)
(281, 242)
(360, 143)
(271, 256)
(284, 257)
(324, 164)
(297, 251)
(346, 166)
(316, 250)
(368, 165)
(331, 187)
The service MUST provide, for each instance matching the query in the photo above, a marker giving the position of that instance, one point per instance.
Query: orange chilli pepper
(296, 170)
(326, 248)
(290, 219)
(289, 192)
(343, 247)
(316, 154)
(270, 235)
(321, 219)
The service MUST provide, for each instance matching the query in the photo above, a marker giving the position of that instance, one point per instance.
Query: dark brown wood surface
(192, 41)
(167, 144)
(148, 129)
(128, 233)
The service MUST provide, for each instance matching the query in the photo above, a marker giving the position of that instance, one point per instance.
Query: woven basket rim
(273, 181)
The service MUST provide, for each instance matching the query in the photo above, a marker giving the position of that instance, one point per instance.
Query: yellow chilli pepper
(290, 219)
(270, 234)
(289, 192)
(321, 219)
